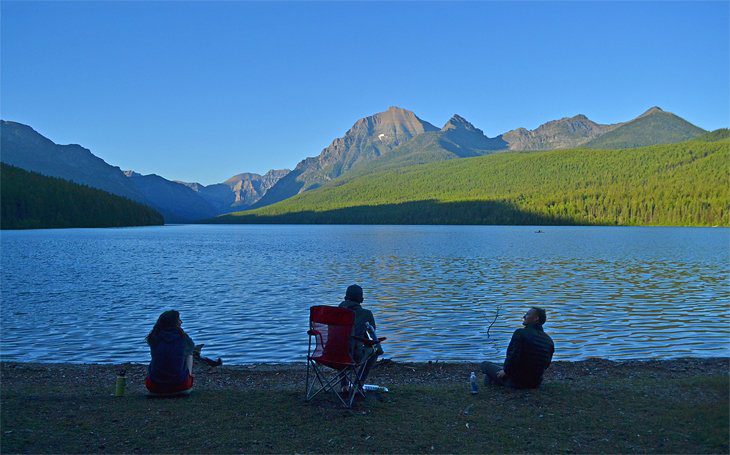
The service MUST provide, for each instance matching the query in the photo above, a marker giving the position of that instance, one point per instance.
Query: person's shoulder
(519, 332)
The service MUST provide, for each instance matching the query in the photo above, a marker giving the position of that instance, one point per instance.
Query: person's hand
(501, 374)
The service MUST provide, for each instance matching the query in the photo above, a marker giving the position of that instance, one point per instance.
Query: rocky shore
(666, 406)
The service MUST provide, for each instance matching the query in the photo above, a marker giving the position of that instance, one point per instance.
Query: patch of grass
(688, 414)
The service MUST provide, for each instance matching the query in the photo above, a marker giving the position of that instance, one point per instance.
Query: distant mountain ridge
(368, 139)
(457, 139)
(177, 203)
(23, 147)
(391, 139)
(359, 151)
(564, 133)
(678, 184)
(238, 192)
(655, 126)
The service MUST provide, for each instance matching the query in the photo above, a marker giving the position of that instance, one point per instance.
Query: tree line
(29, 200)
(683, 184)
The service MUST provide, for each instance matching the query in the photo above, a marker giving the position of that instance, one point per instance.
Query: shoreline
(590, 406)
(390, 373)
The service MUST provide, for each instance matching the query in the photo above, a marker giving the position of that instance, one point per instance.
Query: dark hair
(354, 293)
(540, 314)
(167, 321)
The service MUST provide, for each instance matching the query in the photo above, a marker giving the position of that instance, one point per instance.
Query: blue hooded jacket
(170, 349)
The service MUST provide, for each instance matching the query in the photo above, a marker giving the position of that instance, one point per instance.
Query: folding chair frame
(352, 373)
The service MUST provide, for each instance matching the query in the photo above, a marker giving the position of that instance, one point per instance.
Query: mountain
(368, 139)
(669, 184)
(29, 200)
(176, 202)
(564, 133)
(457, 139)
(654, 126)
(25, 148)
(238, 192)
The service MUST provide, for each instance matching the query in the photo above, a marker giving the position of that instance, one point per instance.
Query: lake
(91, 295)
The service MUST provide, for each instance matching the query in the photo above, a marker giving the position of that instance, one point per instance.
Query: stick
(496, 315)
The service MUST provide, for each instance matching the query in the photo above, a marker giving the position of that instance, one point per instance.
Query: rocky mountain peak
(562, 133)
(652, 110)
(459, 122)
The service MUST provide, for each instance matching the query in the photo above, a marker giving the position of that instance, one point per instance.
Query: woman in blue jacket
(170, 370)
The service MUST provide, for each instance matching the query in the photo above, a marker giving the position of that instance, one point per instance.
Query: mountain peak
(652, 110)
(458, 122)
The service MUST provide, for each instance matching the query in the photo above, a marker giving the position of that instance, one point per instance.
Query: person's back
(529, 357)
(529, 354)
(353, 302)
(171, 350)
(362, 316)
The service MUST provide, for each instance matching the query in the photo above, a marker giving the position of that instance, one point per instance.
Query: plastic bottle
(370, 331)
(121, 384)
(473, 383)
(374, 388)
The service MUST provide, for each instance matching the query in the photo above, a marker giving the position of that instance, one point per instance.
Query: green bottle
(121, 384)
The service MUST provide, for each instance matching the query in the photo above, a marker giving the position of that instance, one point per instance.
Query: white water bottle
(374, 388)
(473, 383)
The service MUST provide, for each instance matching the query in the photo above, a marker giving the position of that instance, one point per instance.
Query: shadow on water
(417, 212)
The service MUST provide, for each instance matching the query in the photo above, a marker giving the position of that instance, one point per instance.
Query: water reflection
(91, 295)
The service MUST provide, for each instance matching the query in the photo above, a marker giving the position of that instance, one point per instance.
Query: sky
(200, 91)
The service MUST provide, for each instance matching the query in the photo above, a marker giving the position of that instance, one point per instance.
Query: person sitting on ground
(171, 367)
(529, 354)
(359, 350)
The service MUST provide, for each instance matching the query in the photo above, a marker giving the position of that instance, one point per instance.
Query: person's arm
(513, 354)
(552, 351)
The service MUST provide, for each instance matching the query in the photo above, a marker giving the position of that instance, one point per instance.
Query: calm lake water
(91, 295)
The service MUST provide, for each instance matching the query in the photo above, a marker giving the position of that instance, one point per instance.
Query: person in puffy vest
(529, 354)
(170, 370)
(353, 301)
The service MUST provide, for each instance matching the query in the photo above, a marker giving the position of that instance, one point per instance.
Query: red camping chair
(331, 328)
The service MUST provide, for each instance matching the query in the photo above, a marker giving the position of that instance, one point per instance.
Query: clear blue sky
(202, 91)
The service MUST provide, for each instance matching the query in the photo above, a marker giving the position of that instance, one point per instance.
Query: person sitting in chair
(529, 354)
(363, 319)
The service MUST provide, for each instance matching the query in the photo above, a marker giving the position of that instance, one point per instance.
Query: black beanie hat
(354, 293)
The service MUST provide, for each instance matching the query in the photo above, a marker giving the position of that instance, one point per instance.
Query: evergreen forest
(682, 184)
(32, 201)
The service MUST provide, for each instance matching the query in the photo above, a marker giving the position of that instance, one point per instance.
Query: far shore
(595, 405)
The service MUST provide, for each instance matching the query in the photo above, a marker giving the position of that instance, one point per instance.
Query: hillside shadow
(417, 212)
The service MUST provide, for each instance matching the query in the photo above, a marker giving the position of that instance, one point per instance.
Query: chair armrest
(312, 333)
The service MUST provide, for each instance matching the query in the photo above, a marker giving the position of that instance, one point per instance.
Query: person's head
(534, 315)
(168, 320)
(354, 293)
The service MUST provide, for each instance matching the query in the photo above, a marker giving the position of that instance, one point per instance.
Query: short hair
(540, 314)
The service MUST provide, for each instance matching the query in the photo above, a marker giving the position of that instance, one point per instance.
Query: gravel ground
(386, 372)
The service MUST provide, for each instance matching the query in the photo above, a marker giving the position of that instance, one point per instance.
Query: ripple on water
(91, 295)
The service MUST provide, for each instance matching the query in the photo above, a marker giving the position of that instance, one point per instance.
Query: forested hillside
(31, 201)
(674, 184)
